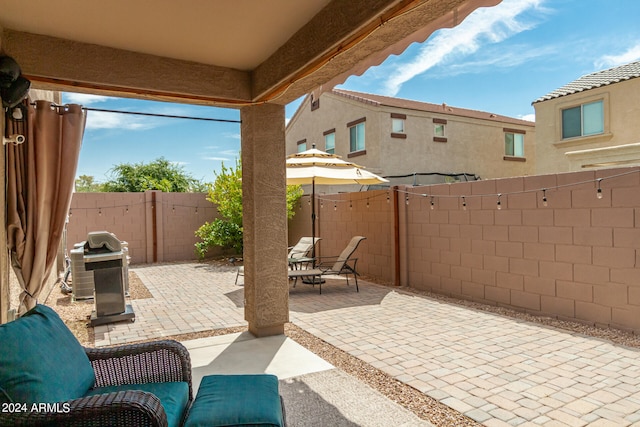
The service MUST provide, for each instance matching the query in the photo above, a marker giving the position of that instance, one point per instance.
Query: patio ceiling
(226, 53)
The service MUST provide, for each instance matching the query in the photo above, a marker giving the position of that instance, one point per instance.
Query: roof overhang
(215, 53)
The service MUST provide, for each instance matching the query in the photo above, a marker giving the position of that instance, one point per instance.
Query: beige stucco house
(396, 137)
(591, 122)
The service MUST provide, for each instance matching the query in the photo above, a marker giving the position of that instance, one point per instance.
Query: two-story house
(428, 143)
(592, 122)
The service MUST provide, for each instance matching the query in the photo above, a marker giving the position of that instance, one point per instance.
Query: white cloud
(529, 117)
(509, 57)
(630, 55)
(485, 25)
(232, 153)
(232, 135)
(82, 98)
(221, 155)
(104, 120)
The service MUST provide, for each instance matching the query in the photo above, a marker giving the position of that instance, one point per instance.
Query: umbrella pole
(313, 222)
(313, 280)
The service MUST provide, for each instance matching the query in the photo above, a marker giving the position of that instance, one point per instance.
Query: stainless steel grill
(103, 257)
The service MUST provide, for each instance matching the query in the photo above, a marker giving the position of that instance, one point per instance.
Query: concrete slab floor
(242, 353)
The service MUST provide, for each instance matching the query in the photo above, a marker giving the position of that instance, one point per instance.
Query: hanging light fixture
(599, 190)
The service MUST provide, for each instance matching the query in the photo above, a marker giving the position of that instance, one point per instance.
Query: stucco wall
(621, 127)
(130, 217)
(577, 258)
(473, 145)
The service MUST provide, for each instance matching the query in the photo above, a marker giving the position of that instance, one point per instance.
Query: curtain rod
(137, 113)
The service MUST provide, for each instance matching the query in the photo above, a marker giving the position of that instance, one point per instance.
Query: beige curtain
(40, 177)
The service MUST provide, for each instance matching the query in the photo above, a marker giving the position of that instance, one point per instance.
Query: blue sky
(498, 60)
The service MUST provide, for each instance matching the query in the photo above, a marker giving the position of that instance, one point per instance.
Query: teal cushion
(174, 396)
(237, 400)
(41, 360)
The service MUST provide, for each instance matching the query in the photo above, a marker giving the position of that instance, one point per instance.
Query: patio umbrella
(319, 167)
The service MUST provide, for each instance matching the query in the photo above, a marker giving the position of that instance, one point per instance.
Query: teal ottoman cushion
(237, 400)
(41, 361)
(172, 395)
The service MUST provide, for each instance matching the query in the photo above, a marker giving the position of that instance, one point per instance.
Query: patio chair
(333, 265)
(240, 269)
(297, 255)
(48, 378)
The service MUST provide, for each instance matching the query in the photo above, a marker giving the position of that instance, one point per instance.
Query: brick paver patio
(497, 370)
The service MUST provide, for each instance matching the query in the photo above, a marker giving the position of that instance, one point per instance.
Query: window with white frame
(583, 120)
(439, 127)
(302, 145)
(356, 135)
(330, 141)
(514, 144)
(397, 125)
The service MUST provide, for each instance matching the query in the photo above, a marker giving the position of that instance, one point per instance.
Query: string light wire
(408, 194)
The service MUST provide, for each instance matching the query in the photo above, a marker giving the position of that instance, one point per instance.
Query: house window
(397, 125)
(302, 145)
(514, 144)
(583, 120)
(439, 126)
(330, 141)
(356, 135)
(397, 122)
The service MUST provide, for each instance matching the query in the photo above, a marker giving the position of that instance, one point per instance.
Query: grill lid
(102, 242)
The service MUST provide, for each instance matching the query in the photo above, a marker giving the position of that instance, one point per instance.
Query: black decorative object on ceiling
(13, 86)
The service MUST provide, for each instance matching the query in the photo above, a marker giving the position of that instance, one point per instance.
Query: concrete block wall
(339, 217)
(183, 214)
(130, 217)
(576, 257)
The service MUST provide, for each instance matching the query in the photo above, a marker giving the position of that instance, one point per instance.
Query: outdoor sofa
(48, 378)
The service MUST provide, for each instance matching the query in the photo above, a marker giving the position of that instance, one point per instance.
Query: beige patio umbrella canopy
(319, 167)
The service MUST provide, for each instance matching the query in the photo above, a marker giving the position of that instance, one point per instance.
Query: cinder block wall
(130, 216)
(576, 258)
(342, 216)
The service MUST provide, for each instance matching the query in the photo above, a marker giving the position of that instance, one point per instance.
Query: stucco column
(264, 219)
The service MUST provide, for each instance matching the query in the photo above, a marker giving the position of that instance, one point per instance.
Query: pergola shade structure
(254, 55)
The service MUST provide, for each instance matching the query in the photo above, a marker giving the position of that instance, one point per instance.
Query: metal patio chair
(334, 265)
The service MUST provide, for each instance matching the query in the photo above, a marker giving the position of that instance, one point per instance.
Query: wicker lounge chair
(43, 364)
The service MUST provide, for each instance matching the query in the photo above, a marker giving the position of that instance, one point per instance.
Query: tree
(159, 174)
(226, 194)
(86, 184)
